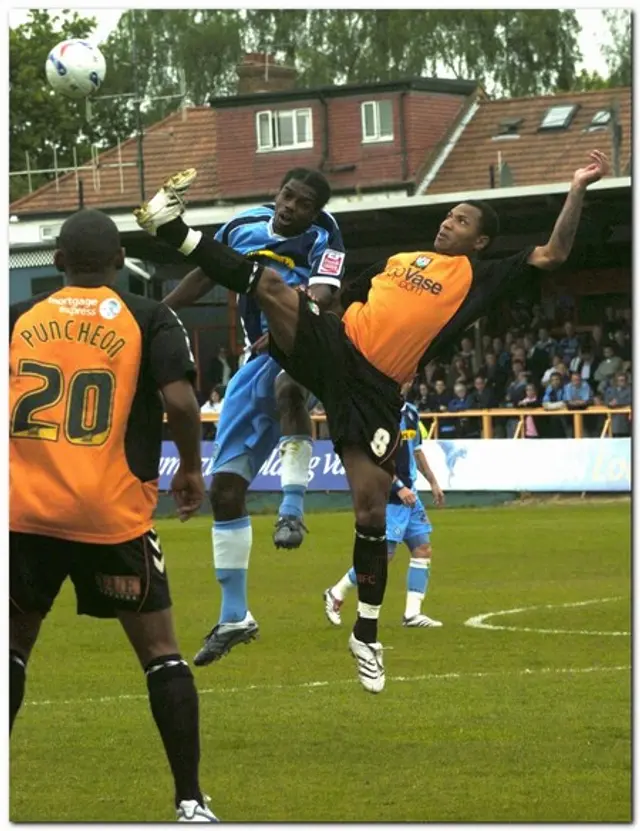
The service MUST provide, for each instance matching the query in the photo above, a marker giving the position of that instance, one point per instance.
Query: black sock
(219, 262)
(174, 704)
(17, 678)
(174, 233)
(370, 564)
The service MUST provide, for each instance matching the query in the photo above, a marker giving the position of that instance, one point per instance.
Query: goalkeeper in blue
(407, 522)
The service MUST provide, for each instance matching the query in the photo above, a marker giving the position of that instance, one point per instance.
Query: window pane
(285, 129)
(558, 116)
(264, 130)
(369, 120)
(385, 118)
(302, 122)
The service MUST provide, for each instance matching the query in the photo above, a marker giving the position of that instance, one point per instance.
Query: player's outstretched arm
(557, 250)
(189, 290)
(183, 416)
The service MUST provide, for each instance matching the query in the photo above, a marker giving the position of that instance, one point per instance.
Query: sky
(593, 35)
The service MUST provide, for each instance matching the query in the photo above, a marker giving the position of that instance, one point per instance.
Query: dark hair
(90, 242)
(489, 222)
(313, 179)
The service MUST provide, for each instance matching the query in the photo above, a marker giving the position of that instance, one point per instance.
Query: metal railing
(487, 417)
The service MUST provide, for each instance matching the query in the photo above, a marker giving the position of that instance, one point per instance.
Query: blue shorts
(249, 425)
(406, 522)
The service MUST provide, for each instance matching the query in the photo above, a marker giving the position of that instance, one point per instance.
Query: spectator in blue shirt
(578, 396)
(619, 396)
(553, 399)
(554, 393)
(458, 403)
(577, 392)
(569, 344)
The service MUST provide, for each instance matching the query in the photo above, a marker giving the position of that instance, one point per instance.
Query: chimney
(258, 72)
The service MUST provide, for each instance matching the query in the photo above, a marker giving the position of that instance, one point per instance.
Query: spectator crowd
(530, 368)
(527, 367)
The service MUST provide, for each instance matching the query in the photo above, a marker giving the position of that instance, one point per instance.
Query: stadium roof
(516, 142)
(374, 226)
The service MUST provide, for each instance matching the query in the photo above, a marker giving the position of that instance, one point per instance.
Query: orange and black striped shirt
(415, 304)
(86, 367)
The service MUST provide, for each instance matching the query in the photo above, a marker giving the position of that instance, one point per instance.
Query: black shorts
(362, 404)
(128, 576)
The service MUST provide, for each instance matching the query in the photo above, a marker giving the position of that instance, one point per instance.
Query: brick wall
(243, 171)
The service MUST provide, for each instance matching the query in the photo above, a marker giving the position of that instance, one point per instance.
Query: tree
(160, 54)
(510, 52)
(618, 53)
(40, 120)
(589, 81)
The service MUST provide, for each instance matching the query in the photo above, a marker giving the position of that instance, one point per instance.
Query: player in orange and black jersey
(89, 369)
(355, 358)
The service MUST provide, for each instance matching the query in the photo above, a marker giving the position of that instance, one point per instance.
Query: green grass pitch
(474, 724)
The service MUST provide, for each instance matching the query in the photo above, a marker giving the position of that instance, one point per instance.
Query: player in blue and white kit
(262, 405)
(407, 522)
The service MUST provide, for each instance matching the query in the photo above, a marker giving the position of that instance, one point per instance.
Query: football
(75, 68)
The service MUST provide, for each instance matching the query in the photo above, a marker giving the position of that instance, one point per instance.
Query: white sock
(190, 242)
(368, 611)
(295, 452)
(414, 604)
(343, 587)
(231, 551)
(232, 543)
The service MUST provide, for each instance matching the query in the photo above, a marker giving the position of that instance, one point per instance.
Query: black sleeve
(357, 288)
(170, 356)
(493, 277)
(493, 280)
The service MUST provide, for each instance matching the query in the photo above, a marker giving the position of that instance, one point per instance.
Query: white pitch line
(478, 621)
(316, 684)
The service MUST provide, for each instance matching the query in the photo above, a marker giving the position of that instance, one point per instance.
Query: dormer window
(600, 121)
(558, 117)
(508, 128)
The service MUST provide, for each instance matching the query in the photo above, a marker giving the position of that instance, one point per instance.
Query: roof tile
(185, 138)
(537, 156)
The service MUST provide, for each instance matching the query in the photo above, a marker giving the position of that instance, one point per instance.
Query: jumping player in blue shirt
(300, 240)
(407, 522)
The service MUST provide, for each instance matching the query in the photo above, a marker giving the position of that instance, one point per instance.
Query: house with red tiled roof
(515, 142)
(364, 137)
(186, 138)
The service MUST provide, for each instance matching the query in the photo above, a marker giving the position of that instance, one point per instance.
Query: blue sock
(292, 501)
(418, 576)
(231, 551)
(352, 576)
(295, 453)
